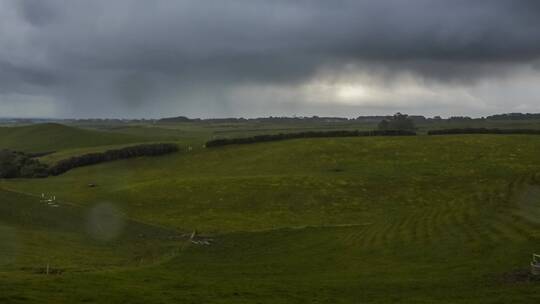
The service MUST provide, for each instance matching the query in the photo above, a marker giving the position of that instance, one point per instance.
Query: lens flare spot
(105, 222)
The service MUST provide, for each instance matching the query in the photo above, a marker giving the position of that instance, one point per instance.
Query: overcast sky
(222, 58)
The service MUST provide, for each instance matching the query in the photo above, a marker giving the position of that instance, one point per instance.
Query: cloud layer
(130, 58)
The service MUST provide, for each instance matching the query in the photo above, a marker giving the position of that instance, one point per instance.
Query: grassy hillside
(55, 137)
(35, 233)
(449, 219)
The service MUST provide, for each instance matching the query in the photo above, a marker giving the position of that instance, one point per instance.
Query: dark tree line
(515, 116)
(15, 164)
(110, 155)
(311, 134)
(39, 154)
(482, 131)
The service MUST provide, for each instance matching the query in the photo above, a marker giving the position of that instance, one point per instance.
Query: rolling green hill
(450, 219)
(55, 137)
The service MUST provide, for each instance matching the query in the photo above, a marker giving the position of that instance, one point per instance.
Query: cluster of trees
(482, 131)
(312, 134)
(110, 155)
(15, 164)
(459, 119)
(398, 122)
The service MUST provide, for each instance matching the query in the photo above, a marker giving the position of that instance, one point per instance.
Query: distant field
(449, 219)
(56, 137)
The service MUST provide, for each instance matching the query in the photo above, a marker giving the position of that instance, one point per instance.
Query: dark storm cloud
(122, 54)
(37, 12)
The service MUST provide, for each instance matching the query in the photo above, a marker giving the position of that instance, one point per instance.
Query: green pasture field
(446, 219)
(56, 137)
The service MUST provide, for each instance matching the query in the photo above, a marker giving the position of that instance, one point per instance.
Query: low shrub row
(110, 155)
(39, 154)
(311, 134)
(482, 131)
